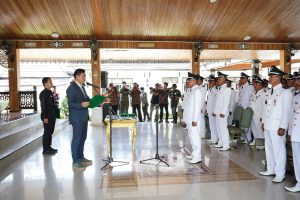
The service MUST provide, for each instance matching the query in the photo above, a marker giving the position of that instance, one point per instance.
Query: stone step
(15, 126)
(20, 138)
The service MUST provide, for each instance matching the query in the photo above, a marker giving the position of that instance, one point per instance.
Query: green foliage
(64, 107)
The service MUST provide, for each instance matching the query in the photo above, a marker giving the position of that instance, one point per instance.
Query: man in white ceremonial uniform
(186, 95)
(201, 127)
(275, 122)
(291, 82)
(221, 112)
(243, 98)
(294, 132)
(211, 97)
(232, 102)
(192, 115)
(257, 104)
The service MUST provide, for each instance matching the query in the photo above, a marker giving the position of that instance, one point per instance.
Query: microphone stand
(110, 160)
(157, 156)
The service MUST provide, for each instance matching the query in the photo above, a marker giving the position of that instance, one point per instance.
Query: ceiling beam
(248, 66)
(151, 45)
(236, 67)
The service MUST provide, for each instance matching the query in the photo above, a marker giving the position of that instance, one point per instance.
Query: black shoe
(48, 152)
(160, 121)
(167, 121)
(54, 150)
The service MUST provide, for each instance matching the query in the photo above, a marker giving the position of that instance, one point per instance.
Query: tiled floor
(228, 175)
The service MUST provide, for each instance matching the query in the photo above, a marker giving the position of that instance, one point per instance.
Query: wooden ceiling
(152, 20)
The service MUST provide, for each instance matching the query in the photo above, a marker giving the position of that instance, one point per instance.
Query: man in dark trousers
(174, 95)
(163, 102)
(136, 101)
(48, 115)
(78, 102)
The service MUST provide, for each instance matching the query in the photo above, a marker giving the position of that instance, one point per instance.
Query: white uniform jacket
(232, 100)
(222, 100)
(277, 109)
(244, 93)
(211, 98)
(193, 106)
(257, 104)
(203, 94)
(185, 101)
(294, 128)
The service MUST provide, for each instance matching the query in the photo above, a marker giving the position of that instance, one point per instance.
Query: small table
(124, 123)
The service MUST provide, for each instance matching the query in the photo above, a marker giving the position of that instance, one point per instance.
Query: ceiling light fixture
(212, 1)
(247, 37)
(55, 35)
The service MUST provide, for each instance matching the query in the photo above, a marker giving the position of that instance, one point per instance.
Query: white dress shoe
(224, 149)
(260, 147)
(266, 173)
(182, 150)
(278, 179)
(195, 160)
(190, 157)
(252, 143)
(296, 188)
(217, 146)
(213, 142)
(210, 140)
(245, 142)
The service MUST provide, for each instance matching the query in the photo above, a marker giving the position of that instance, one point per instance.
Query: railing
(28, 99)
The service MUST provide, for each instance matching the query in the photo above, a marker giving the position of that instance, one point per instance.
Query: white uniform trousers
(275, 153)
(256, 128)
(296, 160)
(195, 140)
(213, 129)
(221, 124)
(230, 118)
(201, 125)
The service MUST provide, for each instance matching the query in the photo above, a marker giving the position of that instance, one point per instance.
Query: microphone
(90, 84)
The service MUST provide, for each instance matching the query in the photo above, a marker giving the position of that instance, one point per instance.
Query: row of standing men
(275, 115)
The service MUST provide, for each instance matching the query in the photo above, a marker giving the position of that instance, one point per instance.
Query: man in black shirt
(174, 95)
(48, 117)
(154, 99)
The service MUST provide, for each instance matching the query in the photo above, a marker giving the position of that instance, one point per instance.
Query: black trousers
(138, 108)
(145, 112)
(174, 112)
(115, 109)
(48, 132)
(162, 111)
(105, 110)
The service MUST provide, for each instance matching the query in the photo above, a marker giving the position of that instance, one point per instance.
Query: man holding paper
(78, 102)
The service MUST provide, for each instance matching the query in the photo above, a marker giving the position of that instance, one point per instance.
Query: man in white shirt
(211, 97)
(201, 121)
(245, 91)
(221, 112)
(232, 102)
(294, 132)
(257, 104)
(243, 98)
(275, 122)
(192, 113)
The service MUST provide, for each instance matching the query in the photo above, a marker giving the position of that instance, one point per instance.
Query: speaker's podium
(97, 115)
(125, 121)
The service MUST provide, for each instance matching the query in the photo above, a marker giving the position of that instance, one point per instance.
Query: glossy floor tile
(227, 175)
